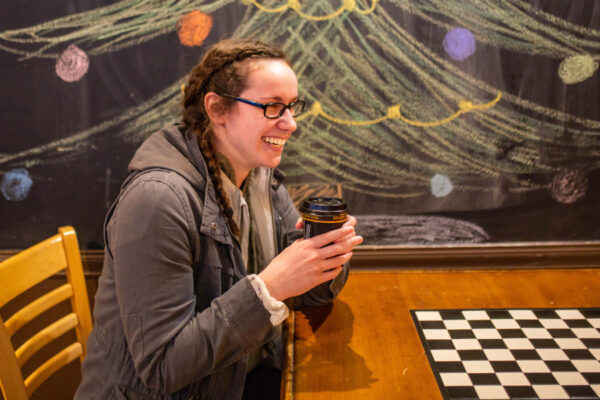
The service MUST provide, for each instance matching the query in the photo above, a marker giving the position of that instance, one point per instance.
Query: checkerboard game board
(513, 353)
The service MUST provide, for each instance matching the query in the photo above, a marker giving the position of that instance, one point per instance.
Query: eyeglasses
(273, 110)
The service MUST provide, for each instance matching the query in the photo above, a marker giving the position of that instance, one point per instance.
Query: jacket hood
(177, 151)
(174, 150)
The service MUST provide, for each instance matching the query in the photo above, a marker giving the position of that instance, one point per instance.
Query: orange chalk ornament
(193, 28)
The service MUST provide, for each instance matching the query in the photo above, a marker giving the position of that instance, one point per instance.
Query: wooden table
(365, 345)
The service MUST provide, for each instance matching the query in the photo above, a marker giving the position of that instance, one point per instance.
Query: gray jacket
(175, 316)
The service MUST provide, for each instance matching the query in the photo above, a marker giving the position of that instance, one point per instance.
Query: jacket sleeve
(325, 292)
(170, 343)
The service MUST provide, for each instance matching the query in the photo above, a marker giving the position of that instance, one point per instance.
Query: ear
(212, 107)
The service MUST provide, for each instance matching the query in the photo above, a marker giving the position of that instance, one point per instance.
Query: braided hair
(223, 69)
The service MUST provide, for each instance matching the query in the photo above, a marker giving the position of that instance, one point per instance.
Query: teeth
(274, 141)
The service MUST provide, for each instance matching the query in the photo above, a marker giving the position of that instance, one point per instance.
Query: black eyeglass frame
(265, 105)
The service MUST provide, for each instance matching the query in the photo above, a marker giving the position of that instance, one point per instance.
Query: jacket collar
(214, 224)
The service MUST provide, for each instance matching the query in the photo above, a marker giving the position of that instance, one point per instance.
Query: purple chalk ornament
(459, 43)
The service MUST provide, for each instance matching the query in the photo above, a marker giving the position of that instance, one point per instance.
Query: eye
(297, 108)
(274, 109)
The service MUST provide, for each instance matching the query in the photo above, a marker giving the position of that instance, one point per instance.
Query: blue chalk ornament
(16, 184)
(441, 185)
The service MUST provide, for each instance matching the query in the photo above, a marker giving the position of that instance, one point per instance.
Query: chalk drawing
(409, 229)
(395, 143)
(441, 186)
(193, 28)
(459, 43)
(116, 26)
(72, 64)
(577, 69)
(568, 186)
(393, 112)
(347, 5)
(16, 184)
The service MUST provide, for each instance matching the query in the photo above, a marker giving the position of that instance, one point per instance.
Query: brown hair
(221, 70)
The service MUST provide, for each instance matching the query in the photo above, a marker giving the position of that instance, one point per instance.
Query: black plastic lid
(318, 205)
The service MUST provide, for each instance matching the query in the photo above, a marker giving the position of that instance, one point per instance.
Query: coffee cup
(322, 214)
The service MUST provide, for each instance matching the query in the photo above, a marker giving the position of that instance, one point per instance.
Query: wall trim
(469, 256)
(480, 256)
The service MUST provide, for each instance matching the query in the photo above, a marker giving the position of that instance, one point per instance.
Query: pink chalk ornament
(568, 186)
(72, 64)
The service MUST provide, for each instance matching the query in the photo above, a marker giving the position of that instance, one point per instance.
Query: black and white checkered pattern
(513, 353)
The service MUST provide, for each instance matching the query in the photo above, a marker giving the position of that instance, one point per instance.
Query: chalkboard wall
(439, 121)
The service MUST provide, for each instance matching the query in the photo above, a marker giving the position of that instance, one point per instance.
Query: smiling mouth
(274, 141)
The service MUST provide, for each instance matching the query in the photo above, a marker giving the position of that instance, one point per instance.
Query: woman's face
(248, 139)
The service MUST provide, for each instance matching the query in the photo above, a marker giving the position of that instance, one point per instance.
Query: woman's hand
(309, 262)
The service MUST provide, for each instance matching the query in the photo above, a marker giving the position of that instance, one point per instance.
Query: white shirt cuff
(278, 310)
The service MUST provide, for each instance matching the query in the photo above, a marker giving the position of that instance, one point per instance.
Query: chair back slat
(59, 360)
(37, 307)
(44, 337)
(18, 275)
(30, 267)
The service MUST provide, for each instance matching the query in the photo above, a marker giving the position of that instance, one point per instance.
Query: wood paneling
(365, 345)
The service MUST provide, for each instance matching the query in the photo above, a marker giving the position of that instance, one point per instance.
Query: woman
(200, 251)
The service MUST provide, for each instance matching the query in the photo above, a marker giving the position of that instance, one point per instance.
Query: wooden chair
(18, 274)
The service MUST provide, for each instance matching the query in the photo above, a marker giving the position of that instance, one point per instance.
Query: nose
(287, 122)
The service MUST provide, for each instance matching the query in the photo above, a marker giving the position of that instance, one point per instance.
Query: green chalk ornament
(577, 69)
